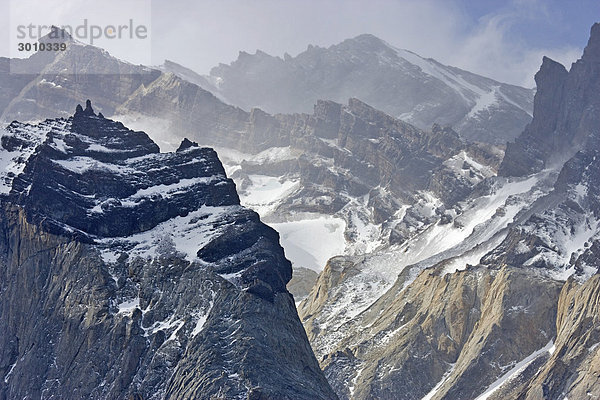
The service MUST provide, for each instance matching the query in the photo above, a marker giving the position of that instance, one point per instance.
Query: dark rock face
(81, 167)
(398, 82)
(565, 127)
(144, 276)
(565, 115)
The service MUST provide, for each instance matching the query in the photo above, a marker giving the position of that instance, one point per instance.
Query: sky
(501, 39)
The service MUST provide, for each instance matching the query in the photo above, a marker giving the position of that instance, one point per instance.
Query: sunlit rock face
(496, 297)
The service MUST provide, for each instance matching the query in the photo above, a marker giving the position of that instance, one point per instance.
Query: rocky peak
(565, 117)
(88, 108)
(550, 71)
(89, 111)
(189, 75)
(57, 33)
(592, 50)
(186, 144)
(96, 176)
(142, 269)
(366, 42)
(54, 82)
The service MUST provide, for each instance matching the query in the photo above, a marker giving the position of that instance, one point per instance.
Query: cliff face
(128, 273)
(573, 368)
(565, 118)
(460, 330)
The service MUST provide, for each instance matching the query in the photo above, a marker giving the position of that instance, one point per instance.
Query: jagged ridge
(145, 277)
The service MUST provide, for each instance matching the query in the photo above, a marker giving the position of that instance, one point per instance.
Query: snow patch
(310, 243)
(265, 193)
(128, 306)
(519, 367)
(484, 101)
(10, 371)
(201, 319)
(82, 164)
(186, 234)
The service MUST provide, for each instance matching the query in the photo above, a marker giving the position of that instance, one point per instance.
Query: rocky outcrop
(455, 332)
(144, 276)
(565, 117)
(572, 370)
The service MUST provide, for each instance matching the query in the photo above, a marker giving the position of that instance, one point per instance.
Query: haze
(504, 40)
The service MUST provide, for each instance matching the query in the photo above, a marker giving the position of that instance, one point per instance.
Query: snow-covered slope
(344, 186)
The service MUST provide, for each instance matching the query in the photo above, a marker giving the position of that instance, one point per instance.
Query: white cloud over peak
(499, 42)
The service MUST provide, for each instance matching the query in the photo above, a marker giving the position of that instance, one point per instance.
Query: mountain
(399, 82)
(188, 75)
(130, 273)
(402, 84)
(496, 301)
(341, 180)
(342, 172)
(50, 84)
(447, 268)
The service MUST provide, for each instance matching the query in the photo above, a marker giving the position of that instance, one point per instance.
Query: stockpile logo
(75, 38)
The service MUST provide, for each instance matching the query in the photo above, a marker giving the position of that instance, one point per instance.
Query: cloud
(500, 43)
(494, 48)
(503, 40)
